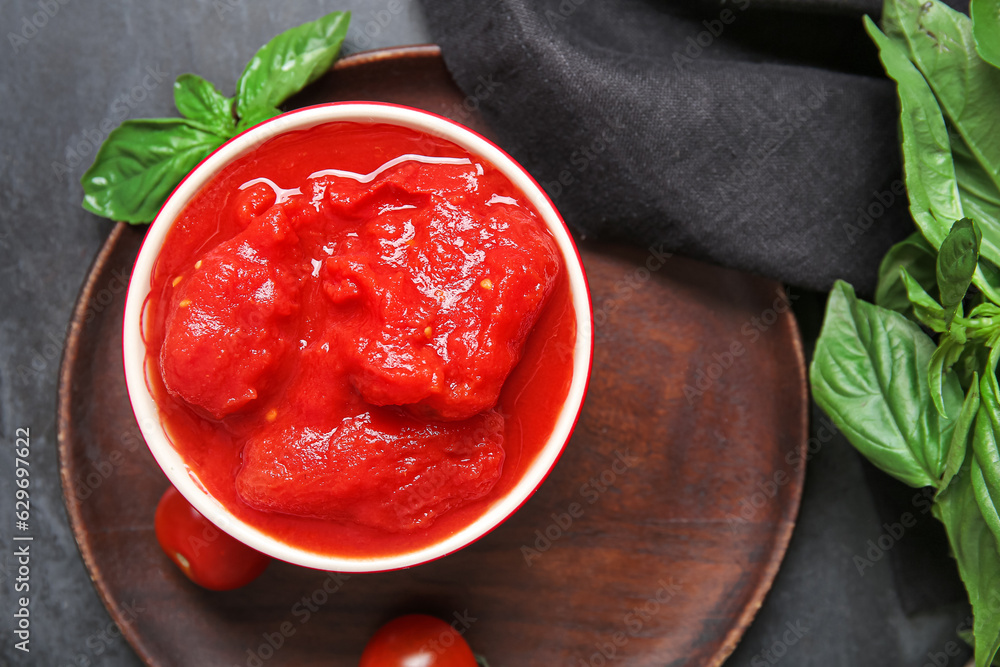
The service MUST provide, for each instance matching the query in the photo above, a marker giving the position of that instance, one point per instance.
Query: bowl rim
(134, 348)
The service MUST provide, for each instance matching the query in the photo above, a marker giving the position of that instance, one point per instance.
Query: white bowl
(134, 348)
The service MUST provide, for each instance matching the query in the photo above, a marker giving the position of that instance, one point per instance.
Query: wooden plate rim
(64, 429)
(64, 441)
(784, 533)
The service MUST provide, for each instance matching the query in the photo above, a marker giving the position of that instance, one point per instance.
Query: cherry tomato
(417, 640)
(208, 556)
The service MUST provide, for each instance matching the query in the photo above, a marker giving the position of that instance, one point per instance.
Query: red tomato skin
(399, 642)
(206, 555)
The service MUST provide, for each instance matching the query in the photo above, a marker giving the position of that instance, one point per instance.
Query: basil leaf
(987, 278)
(869, 373)
(199, 100)
(142, 161)
(914, 254)
(932, 177)
(289, 62)
(957, 259)
(140, 164)
(258, 116)
(979, 196)
(928, 167)
(980, 200)
(974, 184)
(975, 550)
(986, 467)
(948, 351)
(973, 360)
(986, 29)
(925, 307)
(981, 488)
(958, 445)
(985, 309)
(892, 25)
(967, 88)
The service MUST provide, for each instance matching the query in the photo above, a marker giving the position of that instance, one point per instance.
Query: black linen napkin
(754, 134)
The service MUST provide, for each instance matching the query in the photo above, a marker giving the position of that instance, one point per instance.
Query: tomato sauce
(359, 337)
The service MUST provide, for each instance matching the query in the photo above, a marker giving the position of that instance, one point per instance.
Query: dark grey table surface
(66, 67)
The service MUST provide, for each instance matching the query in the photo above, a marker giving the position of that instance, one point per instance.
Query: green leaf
(934, 181)
(985, 309)
(142, 161)
(958, 445)
(947, 353)
(974, 358)
(289, 62)
(925, 307)
(927, 163)
(974, 183)
(986, 467)
(967, 88)
(200, 101)
(892, 26)
(258, 116)
(869, 373)
(957, 259)
(140, 164)
(987, 277)
(986, 29)
(917, 256)
(975, 550)
(980, 199)
(981, 488)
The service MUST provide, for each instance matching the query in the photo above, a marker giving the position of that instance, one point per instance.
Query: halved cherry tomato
(417, 639)
(209, 557)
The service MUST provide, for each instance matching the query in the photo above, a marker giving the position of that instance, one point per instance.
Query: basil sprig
(142, 161)
(986, 29)
(912, 380)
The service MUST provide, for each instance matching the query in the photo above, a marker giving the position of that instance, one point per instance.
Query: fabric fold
(698, 128)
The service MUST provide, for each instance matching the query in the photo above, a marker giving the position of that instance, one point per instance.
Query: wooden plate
(653, 542)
